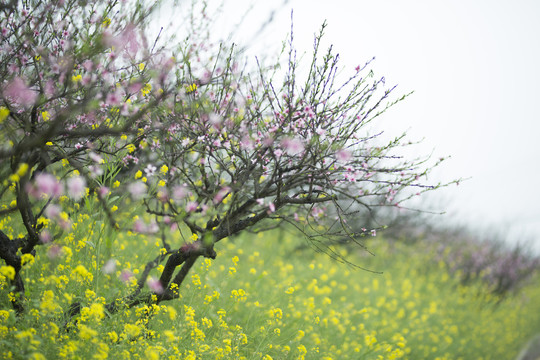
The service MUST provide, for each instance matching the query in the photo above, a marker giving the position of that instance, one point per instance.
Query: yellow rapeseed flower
(172, 312)
(22, 169)
(146, 89)
(76, 78)
(169, 335)
(97, 311)
(132, 330)
(81, 274)
(191, 88)
(113, 336)
(37, 356)
(27, 259)
(48, 304)
(4, 113)
(8, 271)
(290, 290)
(87, 333)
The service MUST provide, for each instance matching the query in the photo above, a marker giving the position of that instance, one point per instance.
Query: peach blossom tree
(183, 137)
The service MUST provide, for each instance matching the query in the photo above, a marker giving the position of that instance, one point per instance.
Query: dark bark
(8, 252)
(187, 255)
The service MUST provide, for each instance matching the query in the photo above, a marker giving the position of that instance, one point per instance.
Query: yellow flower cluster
(256, 300)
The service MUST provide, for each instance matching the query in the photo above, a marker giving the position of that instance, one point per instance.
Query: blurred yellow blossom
(4, 113)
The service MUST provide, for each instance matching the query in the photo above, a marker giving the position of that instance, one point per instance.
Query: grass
(264, 297)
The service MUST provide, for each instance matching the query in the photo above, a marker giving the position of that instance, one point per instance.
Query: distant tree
(91, 108)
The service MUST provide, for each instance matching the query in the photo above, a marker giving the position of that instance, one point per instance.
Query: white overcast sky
(474, 66)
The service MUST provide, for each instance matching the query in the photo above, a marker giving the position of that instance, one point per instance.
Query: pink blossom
(20, 92)
(155, 285)
(292, 146)
(137, 190)
(191, 206)
(246, 143)
(150, 170)
(135, 87)
(221, 194)
(103, 191)
(268, 141)
(64, 224)
(163, 194)
(271, 207)
(113, 98)
(373, 232)
(139, 226)
(86, 80)
(317, 212)
(109, 267)
(96, 158)
(155, 144)
(88, 64)
(179, 192)
(206, 77)
(126, 275)
(129, 39)
(52, 211)
(95, 170)
(343, 155)
(54, 252)
(152, 227)
(215, 119)
(47, 185)
(76, 187)
(45, 237)
(49, 88)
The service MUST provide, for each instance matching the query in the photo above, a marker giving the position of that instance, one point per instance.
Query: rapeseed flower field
(266, 296)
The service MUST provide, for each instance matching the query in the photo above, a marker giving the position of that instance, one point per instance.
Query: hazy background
(474, 67)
